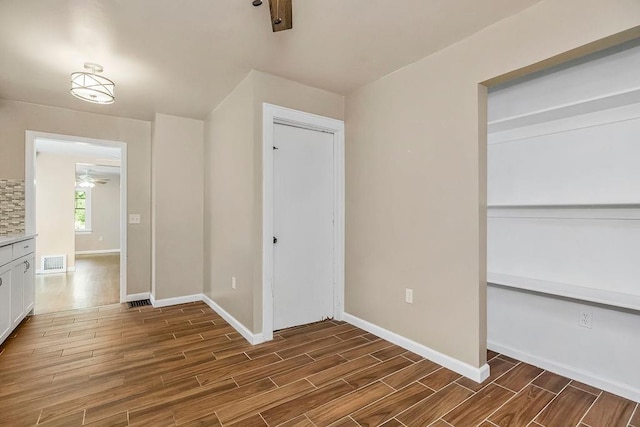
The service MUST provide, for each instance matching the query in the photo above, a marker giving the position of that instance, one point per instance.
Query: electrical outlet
(408, 295)
(134, 218)
(586, 318)
(233, 282)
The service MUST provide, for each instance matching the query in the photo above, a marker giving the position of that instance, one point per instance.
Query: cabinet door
(29, 285)
(17, 299)
(5, 304)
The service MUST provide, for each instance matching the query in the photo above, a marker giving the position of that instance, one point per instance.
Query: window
(82, 211)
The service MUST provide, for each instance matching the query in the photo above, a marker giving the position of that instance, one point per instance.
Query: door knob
(275, 240)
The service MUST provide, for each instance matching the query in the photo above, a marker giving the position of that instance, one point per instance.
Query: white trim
(254, 339)
(158, 303)
(476, 374)
(101, 251)
(68, 270)
(30, 190)
(273, 114)
(138, 297)
(568, 371)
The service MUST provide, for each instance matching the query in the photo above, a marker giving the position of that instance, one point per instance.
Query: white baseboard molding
(254, 339)
(68, 270)
(101, 251)
(624, 390)
(138, 297)
(469, 371)
(174, 301)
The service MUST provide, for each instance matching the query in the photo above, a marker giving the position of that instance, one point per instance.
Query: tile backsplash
(12, 211)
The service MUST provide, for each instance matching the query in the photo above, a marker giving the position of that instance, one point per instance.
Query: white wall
(566, 184)
(543, 330)
(56, 178)
(233, 187)
(177, 206)
(17, 117)
(415, 171)
(105, 219)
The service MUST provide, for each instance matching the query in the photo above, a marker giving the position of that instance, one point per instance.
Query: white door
(303, 207)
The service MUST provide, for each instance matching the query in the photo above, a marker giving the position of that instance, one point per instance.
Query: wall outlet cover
(408, 296)
(586, 318)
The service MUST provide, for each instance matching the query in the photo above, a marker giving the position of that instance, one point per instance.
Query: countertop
(14, 238)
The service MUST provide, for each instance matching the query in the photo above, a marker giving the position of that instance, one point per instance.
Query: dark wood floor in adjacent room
(184, 365)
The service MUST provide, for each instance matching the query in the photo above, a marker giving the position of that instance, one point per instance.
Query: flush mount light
(89, 86)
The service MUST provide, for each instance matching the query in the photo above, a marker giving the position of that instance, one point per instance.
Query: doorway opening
(75, 194)
(323, 138)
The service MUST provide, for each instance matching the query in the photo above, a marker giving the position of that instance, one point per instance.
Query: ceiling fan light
(91, 87)
(86, 184)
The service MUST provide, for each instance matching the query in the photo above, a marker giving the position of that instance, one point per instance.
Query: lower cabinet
(6, 323)
(17, 292)
(17, 287)
(29, 285)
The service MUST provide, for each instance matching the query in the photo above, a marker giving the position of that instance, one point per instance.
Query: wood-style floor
(96, 282)
(184, 365)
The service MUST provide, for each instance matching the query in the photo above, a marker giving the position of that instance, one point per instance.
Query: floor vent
(54, 264)
(140, 303)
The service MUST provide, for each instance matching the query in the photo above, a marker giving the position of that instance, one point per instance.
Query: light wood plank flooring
(184, 365)
(96, 282)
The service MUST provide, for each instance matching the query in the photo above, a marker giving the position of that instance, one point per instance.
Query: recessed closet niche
(564, 217)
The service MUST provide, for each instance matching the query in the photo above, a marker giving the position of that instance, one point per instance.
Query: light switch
(134, 218)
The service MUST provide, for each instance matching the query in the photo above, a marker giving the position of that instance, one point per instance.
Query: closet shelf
(582, 293)
(567, 206)
(576, 108)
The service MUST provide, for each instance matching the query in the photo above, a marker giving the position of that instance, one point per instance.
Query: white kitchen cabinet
(17, 281)
(5, 302)
(17, 292)
(29, 283)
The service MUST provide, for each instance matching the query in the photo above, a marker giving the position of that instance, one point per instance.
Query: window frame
(87, 210)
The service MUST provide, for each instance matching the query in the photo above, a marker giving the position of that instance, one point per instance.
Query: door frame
(30, 190)
(272, 115)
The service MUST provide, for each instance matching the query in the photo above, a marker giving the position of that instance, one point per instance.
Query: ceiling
(97, 170)
(182, 57)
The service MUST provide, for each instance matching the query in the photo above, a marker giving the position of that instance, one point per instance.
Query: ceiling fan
(281, 15)
(87, 181)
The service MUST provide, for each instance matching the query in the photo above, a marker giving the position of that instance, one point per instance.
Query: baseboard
(101, 251)
(138, 297)
(174, 301)
(68, 270)
(594, 380)
(469, 371)
(254, 339)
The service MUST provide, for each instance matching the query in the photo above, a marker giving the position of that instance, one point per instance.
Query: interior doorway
(76, 203)
(303, 200)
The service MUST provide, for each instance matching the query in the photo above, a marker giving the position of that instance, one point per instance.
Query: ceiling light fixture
(91, 87)
(85, 181)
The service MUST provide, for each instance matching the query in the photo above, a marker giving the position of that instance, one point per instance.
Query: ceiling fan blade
(281, 15)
